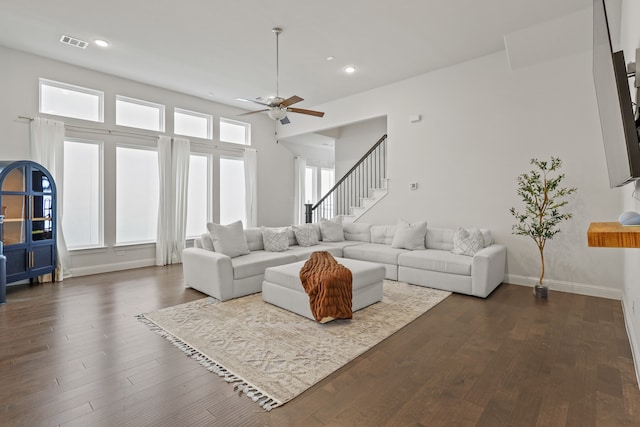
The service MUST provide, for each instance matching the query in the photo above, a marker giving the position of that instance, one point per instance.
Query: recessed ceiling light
(350, 69)
(330, 58)
(101, 43)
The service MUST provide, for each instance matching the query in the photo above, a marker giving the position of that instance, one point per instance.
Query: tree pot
(541, 291)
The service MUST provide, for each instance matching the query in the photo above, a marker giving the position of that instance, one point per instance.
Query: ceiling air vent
(71, 41)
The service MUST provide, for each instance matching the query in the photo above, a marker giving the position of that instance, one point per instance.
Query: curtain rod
(125, 133)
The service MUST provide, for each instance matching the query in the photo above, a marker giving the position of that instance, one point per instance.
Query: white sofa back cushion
(254, 238)
(383, 234)
(358, 232)
(205, 242)
(229, 239)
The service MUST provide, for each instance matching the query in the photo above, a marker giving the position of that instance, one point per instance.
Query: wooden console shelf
(613, 235)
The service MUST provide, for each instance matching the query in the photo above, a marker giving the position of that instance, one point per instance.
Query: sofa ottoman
(282, 286)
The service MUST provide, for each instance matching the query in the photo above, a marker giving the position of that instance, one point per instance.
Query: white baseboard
(635, 350)
(106, 268)
(574, 288)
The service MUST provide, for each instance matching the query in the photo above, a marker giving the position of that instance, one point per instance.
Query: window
(191, 123)
(62, 99)
(137, 197)
(326, 181)
(232, 190)
(139, 114)
(317, 183)
(310, 184)
(235, 131)
(198, 195)
(82, 197)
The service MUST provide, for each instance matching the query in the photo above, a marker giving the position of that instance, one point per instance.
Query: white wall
(354, 141)
(19, 75)
(630, 41)
(481, 124)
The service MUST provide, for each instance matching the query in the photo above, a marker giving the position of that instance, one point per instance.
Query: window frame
(73, 88)
(207, 117)
(161, 112)
(245, 125)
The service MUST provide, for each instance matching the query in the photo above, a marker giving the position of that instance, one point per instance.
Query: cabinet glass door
(39, 182)
(14, 210)
(42, 217)
(14, 181)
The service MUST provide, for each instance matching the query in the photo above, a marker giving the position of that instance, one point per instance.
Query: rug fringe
(265, 401)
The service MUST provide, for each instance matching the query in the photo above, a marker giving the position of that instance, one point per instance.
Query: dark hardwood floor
(72, 353)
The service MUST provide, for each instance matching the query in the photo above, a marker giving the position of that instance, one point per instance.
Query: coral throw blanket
(329, 286)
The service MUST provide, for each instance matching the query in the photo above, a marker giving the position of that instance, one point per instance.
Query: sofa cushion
(382, 234)
(228, 239)
(363, 274)
(256, 262)
(409, 235)
(437, 260)
(332, 230)
(357, 231)
(254, 238)
(305, 235)
(275, 239)
(291, 236)
(467, 242)
(373, 252)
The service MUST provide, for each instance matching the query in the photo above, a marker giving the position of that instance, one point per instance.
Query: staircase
(359, 190)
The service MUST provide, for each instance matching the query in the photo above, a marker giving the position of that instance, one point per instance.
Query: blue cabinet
(28, 232)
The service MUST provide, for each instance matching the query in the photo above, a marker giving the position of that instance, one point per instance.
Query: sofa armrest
(488, 269)
(208, 272)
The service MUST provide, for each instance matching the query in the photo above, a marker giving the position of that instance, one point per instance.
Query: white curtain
(47, 149)
(251, 186)
(165, 218)
(180, 155)
(173, 169)
(299, 169)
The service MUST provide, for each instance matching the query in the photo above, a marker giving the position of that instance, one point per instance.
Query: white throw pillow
(228, 239)
(275, 239)
(331, 230)
(305, 235)
(409, 235)
(467, 242)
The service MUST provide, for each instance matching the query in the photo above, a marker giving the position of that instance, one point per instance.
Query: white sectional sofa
(435, 266)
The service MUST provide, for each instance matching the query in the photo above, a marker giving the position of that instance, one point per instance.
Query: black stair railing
(369, 172)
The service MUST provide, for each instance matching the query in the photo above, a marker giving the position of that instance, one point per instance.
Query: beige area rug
(273, 355)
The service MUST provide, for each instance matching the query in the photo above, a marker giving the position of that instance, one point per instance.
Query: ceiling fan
(277, 107)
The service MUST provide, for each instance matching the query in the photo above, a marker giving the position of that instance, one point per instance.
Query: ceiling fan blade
(253, 100)
(253, 112)
(308, 112)
(290, 101)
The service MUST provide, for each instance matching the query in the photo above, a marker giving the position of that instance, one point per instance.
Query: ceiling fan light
(277, 113)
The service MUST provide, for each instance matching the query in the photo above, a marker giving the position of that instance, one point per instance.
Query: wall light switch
(413, 186)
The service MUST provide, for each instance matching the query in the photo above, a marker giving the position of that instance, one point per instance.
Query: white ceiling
(227, 48)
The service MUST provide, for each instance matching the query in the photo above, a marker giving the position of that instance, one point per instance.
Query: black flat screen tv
(617, 121)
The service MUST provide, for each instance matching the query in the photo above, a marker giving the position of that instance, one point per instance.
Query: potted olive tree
(543, 199)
